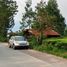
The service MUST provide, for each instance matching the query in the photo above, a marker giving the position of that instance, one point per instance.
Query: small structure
(48, 32)
(34, 32)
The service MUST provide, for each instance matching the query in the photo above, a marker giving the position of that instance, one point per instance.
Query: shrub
(33, 41)
(55, 46)
(3, 39)
(56, 43)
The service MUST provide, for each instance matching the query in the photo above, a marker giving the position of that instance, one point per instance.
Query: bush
(33, 41)
(55, 46)
(3, 39)
(49, 44)
(57, 43)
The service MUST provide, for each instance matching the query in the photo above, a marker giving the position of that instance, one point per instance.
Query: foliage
(56, 46)
(42, 20)
(27, 16)
(7, 12)
(59, 23)
(65, 31)
(3, 39)
(32, 41)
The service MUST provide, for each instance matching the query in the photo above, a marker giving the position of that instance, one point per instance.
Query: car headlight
(16, 43)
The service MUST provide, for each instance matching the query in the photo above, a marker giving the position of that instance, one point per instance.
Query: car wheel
(14, 47)
(27, 47)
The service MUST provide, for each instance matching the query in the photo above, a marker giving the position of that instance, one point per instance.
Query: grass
(58, 51)
(57, 46)
(64, 40)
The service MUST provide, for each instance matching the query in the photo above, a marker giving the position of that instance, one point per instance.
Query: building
(48, 32)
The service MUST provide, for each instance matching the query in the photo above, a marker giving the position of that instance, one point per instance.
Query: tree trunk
(40, 38)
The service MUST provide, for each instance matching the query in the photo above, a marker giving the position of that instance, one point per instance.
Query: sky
(62, 5)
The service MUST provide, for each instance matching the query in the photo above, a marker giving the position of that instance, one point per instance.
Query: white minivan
(18, 41)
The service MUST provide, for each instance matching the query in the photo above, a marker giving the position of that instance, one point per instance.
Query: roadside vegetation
(55, 46)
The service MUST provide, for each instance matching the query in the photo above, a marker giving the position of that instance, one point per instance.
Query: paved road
(27, 58)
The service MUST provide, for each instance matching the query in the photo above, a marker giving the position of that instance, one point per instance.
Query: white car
(18, 41)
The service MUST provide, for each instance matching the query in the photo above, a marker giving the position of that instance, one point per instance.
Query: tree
(59, 23)
(65, 31)
(8, 9)
(42, 20)
(27, 16)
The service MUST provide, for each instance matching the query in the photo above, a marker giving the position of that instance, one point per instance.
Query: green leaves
(27, 16)
(59, 22)
(8, 9)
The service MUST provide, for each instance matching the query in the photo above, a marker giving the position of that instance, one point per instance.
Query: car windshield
(20, 39)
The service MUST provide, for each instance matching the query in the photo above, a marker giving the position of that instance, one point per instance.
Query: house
(48, 32)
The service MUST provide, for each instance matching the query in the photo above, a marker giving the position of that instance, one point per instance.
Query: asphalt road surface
(26, 58)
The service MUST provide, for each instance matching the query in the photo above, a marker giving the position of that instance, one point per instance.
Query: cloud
(63, 8)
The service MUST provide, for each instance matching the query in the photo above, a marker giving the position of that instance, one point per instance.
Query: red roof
(34, 32)
(46, 32)
(49, 31)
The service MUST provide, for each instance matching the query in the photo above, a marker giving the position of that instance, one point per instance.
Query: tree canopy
(27, 16)
(59, 23)
(8, 9)
(42, 18)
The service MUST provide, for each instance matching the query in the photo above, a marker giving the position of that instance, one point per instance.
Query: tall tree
(27, 16)
(8, 9)
(42, 20)
(59, 23)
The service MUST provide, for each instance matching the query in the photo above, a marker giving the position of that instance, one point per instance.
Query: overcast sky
(21, 4)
